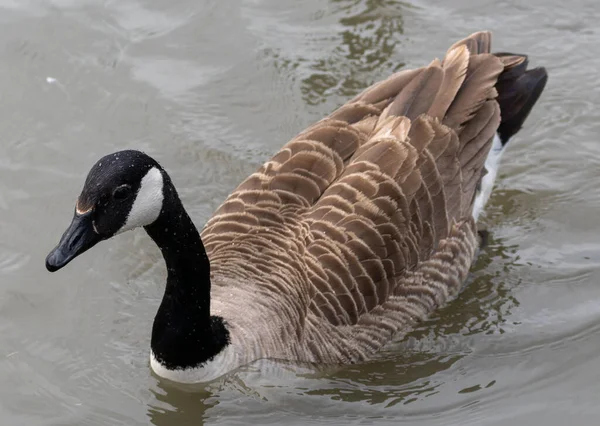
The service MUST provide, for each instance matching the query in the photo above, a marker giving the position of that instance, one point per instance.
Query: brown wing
(332, 221)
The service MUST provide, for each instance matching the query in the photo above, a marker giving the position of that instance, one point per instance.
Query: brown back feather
(361, 208)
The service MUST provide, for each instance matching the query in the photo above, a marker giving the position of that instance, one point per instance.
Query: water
(211, 89)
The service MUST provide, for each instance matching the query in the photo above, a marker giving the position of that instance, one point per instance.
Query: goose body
(354, 231)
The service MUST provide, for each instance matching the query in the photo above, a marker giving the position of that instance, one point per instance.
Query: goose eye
(122, 192)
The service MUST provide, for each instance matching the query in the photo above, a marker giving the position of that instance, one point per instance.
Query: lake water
(211, 89)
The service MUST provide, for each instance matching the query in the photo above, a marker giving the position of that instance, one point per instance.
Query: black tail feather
(518, 91)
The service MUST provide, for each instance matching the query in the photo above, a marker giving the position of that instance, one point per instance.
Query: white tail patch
(148, 201)
(487, 183)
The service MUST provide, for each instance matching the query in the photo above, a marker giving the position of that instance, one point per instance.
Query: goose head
(127, 190)
(122, 191)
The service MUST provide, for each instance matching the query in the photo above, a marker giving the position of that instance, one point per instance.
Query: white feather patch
(224, 362)
(148, 201)
(487, 183)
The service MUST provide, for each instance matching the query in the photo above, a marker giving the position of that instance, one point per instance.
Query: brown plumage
(354, 231)
(361, 225)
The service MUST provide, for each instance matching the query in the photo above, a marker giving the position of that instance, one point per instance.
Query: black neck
(184, 334)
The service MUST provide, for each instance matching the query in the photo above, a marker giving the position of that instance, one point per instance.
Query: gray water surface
(211, 89)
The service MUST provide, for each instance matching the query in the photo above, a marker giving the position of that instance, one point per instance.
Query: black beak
(79, 237)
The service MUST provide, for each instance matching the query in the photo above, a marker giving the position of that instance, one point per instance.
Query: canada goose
(355, 230)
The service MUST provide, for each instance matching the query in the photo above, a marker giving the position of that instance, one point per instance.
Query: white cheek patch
(148, 201)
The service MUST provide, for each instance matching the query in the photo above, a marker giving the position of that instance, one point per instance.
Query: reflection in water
(179, 405)
(372, 30)
(364, 50)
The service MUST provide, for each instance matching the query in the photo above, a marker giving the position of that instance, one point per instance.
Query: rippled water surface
(211, 89)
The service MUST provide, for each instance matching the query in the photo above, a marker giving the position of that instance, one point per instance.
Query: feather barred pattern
(361, 225)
